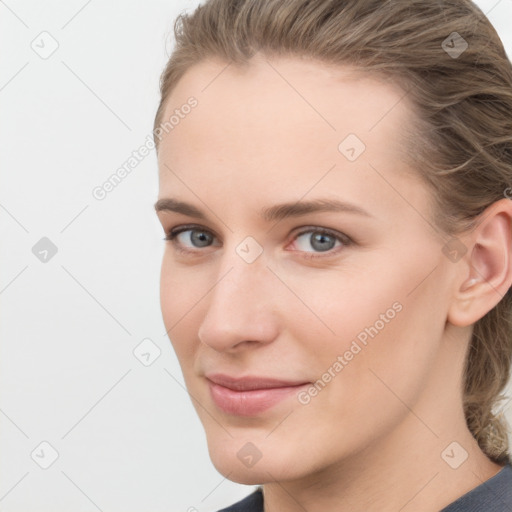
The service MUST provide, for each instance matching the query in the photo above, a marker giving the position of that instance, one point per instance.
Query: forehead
(284, 121)
(276, 97)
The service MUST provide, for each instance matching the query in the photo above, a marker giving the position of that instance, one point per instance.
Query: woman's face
(337, 310)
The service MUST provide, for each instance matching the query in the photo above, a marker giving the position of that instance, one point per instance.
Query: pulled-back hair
(462, 141)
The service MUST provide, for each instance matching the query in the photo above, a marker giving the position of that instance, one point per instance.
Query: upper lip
(251, 382)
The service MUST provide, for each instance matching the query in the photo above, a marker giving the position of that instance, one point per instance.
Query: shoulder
(493, 495)
(251, 503)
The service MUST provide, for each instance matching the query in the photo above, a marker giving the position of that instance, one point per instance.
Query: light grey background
(126, 434)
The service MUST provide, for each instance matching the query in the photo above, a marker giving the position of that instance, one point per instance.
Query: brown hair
(463, 128)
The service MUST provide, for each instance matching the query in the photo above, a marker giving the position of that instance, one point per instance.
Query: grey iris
(322, 242)
(200, 238)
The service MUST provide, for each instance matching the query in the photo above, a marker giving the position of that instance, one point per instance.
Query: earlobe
(487, 269)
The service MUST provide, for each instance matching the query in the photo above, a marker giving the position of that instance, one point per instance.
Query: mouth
(250, 396)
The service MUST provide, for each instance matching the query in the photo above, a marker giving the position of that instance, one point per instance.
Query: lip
(250, 395)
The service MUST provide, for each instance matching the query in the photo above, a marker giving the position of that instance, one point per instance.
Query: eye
(188, 238)
(320, 240)
(312, 241)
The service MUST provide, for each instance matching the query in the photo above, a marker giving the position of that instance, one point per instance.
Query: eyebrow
(273, 213)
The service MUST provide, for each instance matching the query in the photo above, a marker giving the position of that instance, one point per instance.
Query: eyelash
(341, 237)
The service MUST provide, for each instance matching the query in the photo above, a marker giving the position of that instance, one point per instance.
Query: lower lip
(249, 402)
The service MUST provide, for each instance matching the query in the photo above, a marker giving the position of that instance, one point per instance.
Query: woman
(334, 181)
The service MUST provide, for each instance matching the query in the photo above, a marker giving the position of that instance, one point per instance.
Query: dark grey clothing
(494, 495)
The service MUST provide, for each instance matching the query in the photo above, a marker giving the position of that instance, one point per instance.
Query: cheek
(180, 294)
(380, 320)
(396, 357)
(334, 307)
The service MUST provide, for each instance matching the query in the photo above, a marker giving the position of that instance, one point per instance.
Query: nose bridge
(242, 270)
(239, 304)
(241, 286)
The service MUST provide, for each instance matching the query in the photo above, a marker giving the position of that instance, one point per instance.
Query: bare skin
(378, 436)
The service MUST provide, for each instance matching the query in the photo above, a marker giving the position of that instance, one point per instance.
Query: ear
(486, 272)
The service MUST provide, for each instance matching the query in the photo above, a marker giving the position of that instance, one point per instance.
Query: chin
(241, 462)
(244, 476)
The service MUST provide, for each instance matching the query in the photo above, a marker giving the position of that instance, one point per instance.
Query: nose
(241, 309)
